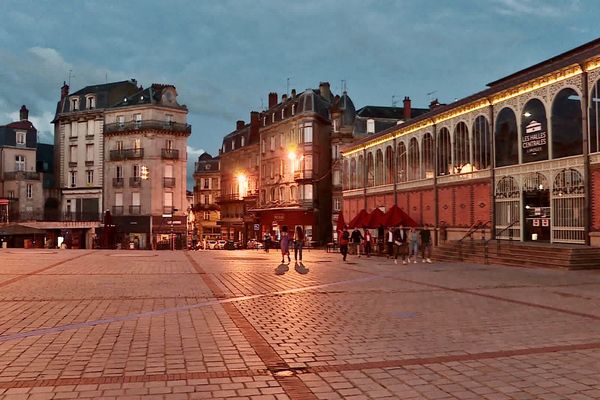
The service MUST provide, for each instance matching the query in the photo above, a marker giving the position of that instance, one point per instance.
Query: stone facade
(207, 191)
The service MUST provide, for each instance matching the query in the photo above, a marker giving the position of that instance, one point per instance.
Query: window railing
(118, 182)
(117, 210)
(117, 155)
(170, 154)
(147, 124)
(21, 175)
(135, 210)
(72, 164)
(89, 163)
(169, 182)
(303, 175)
(168, 210)
(135, 181)
(132, 154)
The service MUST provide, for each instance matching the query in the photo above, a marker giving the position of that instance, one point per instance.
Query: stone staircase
(519, 254)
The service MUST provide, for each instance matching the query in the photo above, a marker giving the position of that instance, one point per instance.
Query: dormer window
(264, 121)
(282, 113)
(233, 144)
(20, 138)
(90, 102)
(272, 117)
(370, 126)
(242, 144)
(74, 103)
(293, 109)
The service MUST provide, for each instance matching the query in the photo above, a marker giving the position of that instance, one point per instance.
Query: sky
(225, 56)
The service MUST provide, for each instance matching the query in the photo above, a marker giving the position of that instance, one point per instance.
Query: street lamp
(242, 185)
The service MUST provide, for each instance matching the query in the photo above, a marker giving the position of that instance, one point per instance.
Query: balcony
(117, 155)
(117, 210)
(117, 127)
(169, 154)
(72, 164)
(135, 210)
(135, 181)
(118, 182)
(134, 154)
(89, 163)
(168, 182)
(21, 176)
(306, 175)
(169, 210)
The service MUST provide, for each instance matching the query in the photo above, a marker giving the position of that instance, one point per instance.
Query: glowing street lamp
(242, 184)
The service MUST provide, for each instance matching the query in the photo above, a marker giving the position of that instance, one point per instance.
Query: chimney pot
(239, 125)
(24, 113)
(293, 93)
(407, 108)
(272, 99)
(64, 90)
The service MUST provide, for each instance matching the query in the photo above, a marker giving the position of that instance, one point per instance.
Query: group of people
(398, 241)
(296, 239)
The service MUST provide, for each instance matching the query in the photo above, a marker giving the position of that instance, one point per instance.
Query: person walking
(426, 243)
(390, 242)
(284, 244)
(380, 239)
(344, 240)
(413, 238)
(298, 243)
(400, 244)
(267, 242)
(368, 238)
(355, 240)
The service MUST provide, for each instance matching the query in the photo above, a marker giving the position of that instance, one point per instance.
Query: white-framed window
(336, 125)
(29, 191)
(272, 143)
(89, 152)
(308, 192)
(337, 204)
(264, 121)
(335, 151)
(137, 120)
(74, 103)
(233, 144)
(263, 146)
(370, 126)
(89, 177)
(308, 133)
(21, 138)
(168, 171)
(168, 199)
(336, 177)
(121, 121)
(135, 198)
(293, 109)
(119, 199)
(90, 102)
(19, 162)
(73, 176)
(272, 117)
(308, 162)
(243, 141)
(73, 154)
(207, 215)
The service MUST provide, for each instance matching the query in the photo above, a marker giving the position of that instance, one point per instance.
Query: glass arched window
(444, 152)
(370, 170)
(346, 175)
(566, 124)
(360, 174)
(594, 117)
(378, 167)
(534, 132)
(402, 166)
(506, 138)
(462, 155)
(389, 165)
(481, 143)
(353, 174)
(428, 161)
(414, 164)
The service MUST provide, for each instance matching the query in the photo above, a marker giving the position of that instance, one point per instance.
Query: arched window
(272, 194)
(534, 132)
(378, 167)
(414, 165)
(568, 207)
(402, 167)
(566, 124)
(293, 193)
(360, 174)
(428, 161)
(462, 155)
(353, 183)
(389, 165)
(444, 152)
(594, 117)
(346, 175)
(481, 143)
(281, 193)
(370, 170)
(506, 138)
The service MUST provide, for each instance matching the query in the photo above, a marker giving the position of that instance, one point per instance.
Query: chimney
(325, 90)
(434, 103)
(407, 109)
(24, 113)
(283, 98)
(64, 90)
(254, 119)
(272, 99)
(293, 93)
(239, 125)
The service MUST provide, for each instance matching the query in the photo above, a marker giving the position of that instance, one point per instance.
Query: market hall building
(522, 156)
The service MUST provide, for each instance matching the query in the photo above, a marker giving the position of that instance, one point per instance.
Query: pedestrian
(367, 237)
(344, 240)
(413, 238)
(400, 244)
(355, 240)
(426, 243)
(390, 242)
(380, 239)
(267, 242)
(298, 243)
(284, 244)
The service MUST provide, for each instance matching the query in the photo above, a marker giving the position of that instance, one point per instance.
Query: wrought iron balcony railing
(126, 154)
(168, 182)
(135, 181)
(135, 210)
(21, 176)
(117, 210)
(118, 182)
(147, 124)
(169, 154)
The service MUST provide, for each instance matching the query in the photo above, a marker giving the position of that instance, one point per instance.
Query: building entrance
(537, 215)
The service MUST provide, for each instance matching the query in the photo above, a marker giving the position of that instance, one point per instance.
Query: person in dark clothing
(298, 242)
(380, 239)
(400, 244)
(426, 243)
(390, 242)
(344, 239)
(368, 238)
(355, 240)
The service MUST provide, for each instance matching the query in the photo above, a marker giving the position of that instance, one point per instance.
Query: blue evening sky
(225, 56)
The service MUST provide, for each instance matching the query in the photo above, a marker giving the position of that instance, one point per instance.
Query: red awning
(361, 219)
(376, 219)
(395, 216)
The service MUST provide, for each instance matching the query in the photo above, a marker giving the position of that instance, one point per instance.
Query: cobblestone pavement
(237, 325)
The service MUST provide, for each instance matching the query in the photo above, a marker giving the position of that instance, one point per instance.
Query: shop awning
(376, 219)
(16, 229)
(396, 216)
(361, 219)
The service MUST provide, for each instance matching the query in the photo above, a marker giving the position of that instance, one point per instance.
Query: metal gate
(508, 210)
(568, 202)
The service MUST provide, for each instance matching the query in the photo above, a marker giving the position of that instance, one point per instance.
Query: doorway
(536, 214)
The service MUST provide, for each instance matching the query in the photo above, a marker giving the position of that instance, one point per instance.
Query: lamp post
(172, 229)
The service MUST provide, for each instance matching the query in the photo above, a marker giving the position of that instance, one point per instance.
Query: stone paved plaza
(237, 325)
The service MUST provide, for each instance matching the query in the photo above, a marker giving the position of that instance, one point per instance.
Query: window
(481, 143)
(20, 138)
(444, 152)
(207, 215)
(20, 163)
(336, 177)
(168, 171)
(566, 124)
(308, 134)
(169, 144)
(272, 198)
(137, 120)
(264, 146)
(136, 171)
(337, 204)
(272, 143)
(121, 121)
(293, 194)
(462, 155)
(73, 175)
(282, 113)
(89, 177)
(281, 140)
(135, 199)
(336, 127)
(119, 199)
(534, 132)
(169, 119)
(206, 183)
(335, 152)
(308, 192)
(389, 165)
(281, 193)
(119, 172)
(215, 183)
(378, 167)
(168, 199)
(119, 145)
(506, 138)
(414, 164)
(370, 126)
(242, 139)
(73, 154)
(281, 167)
(90, 102)
(272, 117)
(89, 152)
(271, 169)
(74, 103)
(11, 194)
(293, 109)
(137, 143)
(29, 191)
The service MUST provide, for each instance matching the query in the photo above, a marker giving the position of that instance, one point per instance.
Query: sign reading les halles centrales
(534, 142)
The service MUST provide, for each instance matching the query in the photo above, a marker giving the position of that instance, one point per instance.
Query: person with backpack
(298, 243)
(344, 239)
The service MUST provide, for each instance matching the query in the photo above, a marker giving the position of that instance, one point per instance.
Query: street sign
(257, 227)
(167, 215)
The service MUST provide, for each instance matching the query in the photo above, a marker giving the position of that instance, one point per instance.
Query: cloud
(536, 8)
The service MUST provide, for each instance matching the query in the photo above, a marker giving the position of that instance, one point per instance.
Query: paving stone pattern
(238, 325)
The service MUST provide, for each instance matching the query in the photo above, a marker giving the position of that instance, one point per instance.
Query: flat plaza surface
(223, 324)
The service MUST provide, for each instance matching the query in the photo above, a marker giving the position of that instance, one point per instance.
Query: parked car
(254, 244)
(230, 245)
(211, 244)
(221, 244)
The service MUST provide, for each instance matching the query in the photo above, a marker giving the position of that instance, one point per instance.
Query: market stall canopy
(16, 229)
(361, 219)
(376, 219)
(395, 216)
